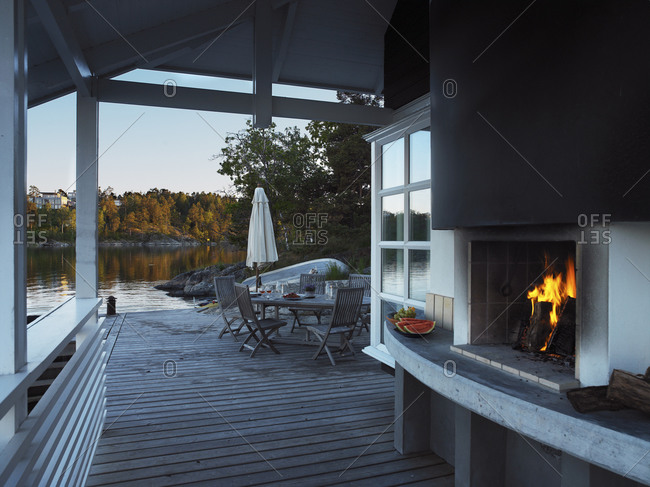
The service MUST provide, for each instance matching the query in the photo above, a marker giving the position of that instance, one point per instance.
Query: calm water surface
(128, 273)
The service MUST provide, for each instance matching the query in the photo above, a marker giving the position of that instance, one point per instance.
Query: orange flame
(570, 278)
(555, 289)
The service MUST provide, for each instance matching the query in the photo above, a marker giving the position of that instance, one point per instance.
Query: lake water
(128, 273)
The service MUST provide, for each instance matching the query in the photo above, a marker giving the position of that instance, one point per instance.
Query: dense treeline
(133, 216)
(202, 216)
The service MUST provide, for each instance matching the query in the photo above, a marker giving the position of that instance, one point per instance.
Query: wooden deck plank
(247, 428)
(188, 443)
(231, 446)
(224, 418)
(312, 395)
(196, 402)
(188, 418)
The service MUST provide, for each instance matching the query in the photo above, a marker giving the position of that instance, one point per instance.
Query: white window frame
(407, 120)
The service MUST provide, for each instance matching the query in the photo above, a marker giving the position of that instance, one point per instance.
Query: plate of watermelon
(414, 328)
(408, 325)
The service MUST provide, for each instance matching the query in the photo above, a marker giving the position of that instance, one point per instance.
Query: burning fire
(555, 289)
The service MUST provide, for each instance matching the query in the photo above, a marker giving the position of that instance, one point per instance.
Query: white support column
(13, 189)
(412, 413)
(262, 65)
(86, 270)
(87, 186)
(575, 472)
(480, 457)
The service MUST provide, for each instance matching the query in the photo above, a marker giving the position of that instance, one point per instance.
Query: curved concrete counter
(618, 441)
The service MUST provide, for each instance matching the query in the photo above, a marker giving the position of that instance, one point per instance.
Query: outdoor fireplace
(523, 302)
(494, 269)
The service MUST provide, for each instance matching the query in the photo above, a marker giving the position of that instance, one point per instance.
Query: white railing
(55, 444)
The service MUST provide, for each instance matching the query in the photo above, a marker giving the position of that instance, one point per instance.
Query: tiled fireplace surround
(500, 275)
(611, 282)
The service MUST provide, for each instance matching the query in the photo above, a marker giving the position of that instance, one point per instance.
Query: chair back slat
(245, 304)
(347, 307)
(317, 280)
(360, 280)
(224, 288)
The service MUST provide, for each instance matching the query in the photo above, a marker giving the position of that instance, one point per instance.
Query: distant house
(57, 200)
(72, 199)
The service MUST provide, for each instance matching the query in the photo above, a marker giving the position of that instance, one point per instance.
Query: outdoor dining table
(319, 301)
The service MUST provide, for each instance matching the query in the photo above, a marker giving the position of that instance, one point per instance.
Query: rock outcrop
(199, 283)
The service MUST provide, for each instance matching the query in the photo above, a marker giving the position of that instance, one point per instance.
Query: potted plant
(310, 289)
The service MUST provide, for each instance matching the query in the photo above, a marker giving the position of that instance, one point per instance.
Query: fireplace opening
(523, 295)
(551, 326)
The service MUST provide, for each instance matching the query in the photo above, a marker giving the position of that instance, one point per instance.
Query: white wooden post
(13, 189)
(87, 186)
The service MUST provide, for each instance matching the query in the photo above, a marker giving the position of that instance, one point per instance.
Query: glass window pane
(392, 164)
(392, 217)
(420, 215)
(420, 155)
(418, 274)
(392, 271)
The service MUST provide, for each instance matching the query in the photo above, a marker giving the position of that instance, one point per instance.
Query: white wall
(592, 351)
(461, 291)
(629, 297)
(442, 262)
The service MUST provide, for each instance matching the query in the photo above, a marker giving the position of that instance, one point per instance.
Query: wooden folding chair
(362, 280)
(316, 280)
(224, 288)
(347, 307)
(260, 330)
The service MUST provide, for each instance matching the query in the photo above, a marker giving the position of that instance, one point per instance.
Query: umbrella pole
(257, 277)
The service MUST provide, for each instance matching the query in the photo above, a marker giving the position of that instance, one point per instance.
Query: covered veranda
(51, 48)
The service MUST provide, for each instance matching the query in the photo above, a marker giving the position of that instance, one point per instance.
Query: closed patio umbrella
(261, 239)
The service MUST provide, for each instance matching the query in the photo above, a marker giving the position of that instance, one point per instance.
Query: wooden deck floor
(185, 408)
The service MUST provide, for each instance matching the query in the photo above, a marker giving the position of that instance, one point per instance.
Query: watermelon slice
(400, 325)
(421, 327)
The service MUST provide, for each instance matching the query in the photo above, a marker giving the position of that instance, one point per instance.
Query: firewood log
(630, 389)
(588, 399)
(540, 327)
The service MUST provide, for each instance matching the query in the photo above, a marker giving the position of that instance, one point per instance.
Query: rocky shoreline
(199, 283)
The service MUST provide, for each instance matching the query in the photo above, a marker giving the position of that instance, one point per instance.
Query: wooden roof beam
(262, 65)
(55, 21)
(284, 42)
(147, 94)
(157, 41)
